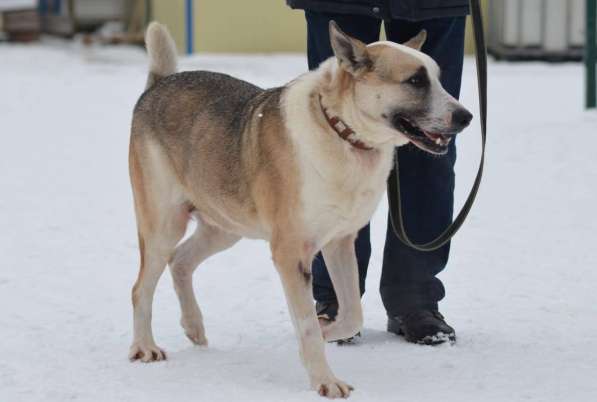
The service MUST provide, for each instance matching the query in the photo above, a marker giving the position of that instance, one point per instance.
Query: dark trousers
(408, 279)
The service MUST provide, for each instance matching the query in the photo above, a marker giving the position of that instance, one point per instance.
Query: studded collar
(343, 130)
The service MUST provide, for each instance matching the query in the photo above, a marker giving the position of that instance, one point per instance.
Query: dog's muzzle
(432, 142)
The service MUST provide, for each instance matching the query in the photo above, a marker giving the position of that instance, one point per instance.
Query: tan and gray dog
(302, 166)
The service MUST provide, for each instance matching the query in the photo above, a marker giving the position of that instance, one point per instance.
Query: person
(409, 287)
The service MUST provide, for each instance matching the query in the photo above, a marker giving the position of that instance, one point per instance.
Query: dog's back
(173, 102)
(176, 102)
(209, 106)
(206, 129)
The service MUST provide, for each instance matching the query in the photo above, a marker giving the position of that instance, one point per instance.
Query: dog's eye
(416, 81)
(419, 80)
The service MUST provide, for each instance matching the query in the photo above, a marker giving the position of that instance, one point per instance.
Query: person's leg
(323, 290)
(319, 49)
(365, 29)
(408, 281)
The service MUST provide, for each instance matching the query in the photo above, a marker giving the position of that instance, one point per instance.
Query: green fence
(591, 54)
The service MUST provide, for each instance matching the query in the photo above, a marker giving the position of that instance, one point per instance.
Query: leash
(394, 197)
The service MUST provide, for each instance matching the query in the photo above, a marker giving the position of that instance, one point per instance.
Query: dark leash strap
(394, 198)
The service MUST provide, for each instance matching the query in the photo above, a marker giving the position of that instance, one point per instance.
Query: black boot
(425, 327)
(328, 311)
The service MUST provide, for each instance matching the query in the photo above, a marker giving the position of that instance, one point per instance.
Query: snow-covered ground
(520, 285)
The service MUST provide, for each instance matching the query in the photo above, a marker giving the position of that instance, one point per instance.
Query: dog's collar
(342, 129)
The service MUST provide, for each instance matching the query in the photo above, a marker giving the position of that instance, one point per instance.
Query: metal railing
(536, 29)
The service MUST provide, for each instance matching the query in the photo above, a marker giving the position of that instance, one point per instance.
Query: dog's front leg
(294, 268)
(341, 261)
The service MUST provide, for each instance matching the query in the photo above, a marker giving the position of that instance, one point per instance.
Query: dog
(302, 166)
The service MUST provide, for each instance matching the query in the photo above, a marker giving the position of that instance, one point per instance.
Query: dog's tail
(162, 53)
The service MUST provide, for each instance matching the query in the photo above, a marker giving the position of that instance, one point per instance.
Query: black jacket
(387, 9)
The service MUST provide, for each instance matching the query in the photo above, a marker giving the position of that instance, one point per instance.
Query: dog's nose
(461, 118)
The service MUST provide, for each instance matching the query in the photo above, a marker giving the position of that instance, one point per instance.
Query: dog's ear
(418, 41)
(351, 53)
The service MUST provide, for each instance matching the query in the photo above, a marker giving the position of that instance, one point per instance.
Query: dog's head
(396, 89)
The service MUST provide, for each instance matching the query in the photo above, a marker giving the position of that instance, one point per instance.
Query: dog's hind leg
(205, 242)
(162, 218)
(341, 261)
(294, 270)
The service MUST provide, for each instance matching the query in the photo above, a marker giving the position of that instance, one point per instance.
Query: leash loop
(394, 197)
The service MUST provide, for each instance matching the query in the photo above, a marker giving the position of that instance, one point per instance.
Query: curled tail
(162, 53)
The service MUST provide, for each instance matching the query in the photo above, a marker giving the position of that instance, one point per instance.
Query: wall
(171, 13)
(255, 26)
(241, 26)
(469, 44)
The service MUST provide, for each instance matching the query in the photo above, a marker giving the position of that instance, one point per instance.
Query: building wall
(469, 44)
(253, 26)
(171, 13)
(240, 26)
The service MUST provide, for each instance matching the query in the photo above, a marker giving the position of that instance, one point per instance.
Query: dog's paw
(195, 331)
(146, 352)
(333, 331)
(333, 388)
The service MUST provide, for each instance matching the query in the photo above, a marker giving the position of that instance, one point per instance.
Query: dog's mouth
(434, 143)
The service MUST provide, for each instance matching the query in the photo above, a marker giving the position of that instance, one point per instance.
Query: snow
(520, 284)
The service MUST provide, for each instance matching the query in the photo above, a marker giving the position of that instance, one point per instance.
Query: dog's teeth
(438, 141)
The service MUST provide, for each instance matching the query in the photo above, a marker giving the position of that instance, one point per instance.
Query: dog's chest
(340, 198)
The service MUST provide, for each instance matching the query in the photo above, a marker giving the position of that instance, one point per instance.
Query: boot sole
(432, 340)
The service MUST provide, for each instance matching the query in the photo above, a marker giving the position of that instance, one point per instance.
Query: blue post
(190, 28)
(46, 7)
(42, 7)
